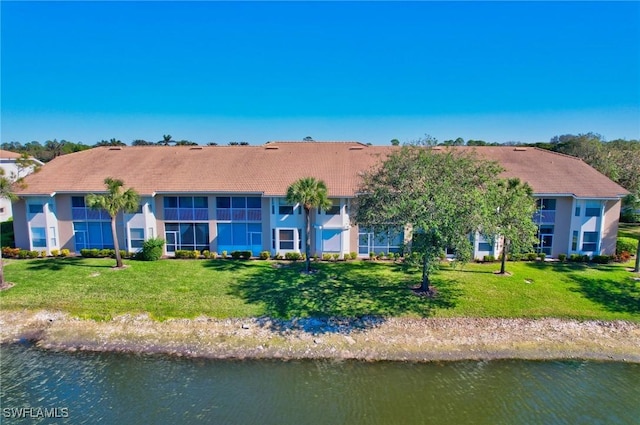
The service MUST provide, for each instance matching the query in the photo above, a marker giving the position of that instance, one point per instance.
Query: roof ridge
(559, 154)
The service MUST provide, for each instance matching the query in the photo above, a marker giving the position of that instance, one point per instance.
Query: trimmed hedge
(626, 244)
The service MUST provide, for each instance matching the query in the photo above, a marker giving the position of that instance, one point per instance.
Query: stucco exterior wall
(562, 229)
(610, 227)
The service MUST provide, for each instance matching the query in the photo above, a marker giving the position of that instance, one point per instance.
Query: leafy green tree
(633, 201)
(395, 142)
(141, 142)
(310, 193)
(6, 192)
(110, 142)
(509, 208)
(115, 200)
(166, 140)
(436, 191)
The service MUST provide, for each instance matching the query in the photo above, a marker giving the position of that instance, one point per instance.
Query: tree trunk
(637, 267)
(505, 245)
(425, 273)
(1, 268)
(116, 246)
(307, 245)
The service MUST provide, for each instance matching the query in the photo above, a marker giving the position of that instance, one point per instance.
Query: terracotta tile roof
(8, 154)
(269, 169)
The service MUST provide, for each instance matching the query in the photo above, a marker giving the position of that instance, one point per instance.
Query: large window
(331, 241)
(79, 211)
(93, 234)
(137, 237)
(187, 236)
(484, 244)
(545, 211)
(286, 239)
(545, 239)
(590, 241)
(593, 209)
(36, 208)
(39, 237)
(186, 208)
(384, 241)
(335, 209)
(239, 208)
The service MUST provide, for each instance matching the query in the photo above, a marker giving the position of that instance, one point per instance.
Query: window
(286, 239)
(546, 204)
(93, 234)
(77, 202)
(545, 239)
(285, 209)
(384, 241)
(590, 241)
(186, 208)
(574, 240)
(188, 236)
(52, 233)
(239, 234)
(39, 237)
(335, 209)
(592, 209)
(239, 208)
(137, 237)
(578, 211)
(36, 208)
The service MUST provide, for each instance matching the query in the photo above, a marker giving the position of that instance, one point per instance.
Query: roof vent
(115, 148)
(196, 148)
(268, 147)
(520, 149)
(356, 148)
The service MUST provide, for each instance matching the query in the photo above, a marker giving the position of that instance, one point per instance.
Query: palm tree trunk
(307, 246)
(116, 246)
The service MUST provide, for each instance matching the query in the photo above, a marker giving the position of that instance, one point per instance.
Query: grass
(629, 230)
(90, 288)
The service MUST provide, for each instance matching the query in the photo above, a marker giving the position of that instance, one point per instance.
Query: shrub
(292, 256)
(353, 255)
(623, 257)
(9, 252)
(531, 256)
(542, 256)
(152, 249)
(224, 254)
(516, 256)
(108, 253)
(185, 253)
(380, 256)
(55, 252)
(23, 253)
(626, 244)
(43, 253)
(316, 257)
(601, 259)
(277, 256)
(65, 252)
(346, 257)
(244, 255)
(488, 259)
(264, 255)
(213, 255)
(33, 254)
(206, 253)
(562, 257)
(235, 255)
(335, 257)
(326, 256)
(372, 256)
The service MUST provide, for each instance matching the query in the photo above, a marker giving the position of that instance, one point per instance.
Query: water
(128, 389)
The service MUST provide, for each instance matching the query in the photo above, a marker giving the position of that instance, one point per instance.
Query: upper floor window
(335, 209)
(77, 202)
(285, 209)
(593, 209)
(546, 204)
(186, 208)
(239, 208)
(36, 208)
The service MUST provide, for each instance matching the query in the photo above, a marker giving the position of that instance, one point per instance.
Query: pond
(109, 388)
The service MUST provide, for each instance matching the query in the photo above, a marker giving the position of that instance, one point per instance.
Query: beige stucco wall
(65, 222)
(562, 229)
(267, 236)
(20, 229)
(610, 227)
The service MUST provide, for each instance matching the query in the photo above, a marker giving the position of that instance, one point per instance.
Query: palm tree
(310, 193)
(117, 199)
(6, 192)
(632, 202)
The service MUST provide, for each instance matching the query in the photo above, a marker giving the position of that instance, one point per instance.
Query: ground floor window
(240, 237)
(286, 239)
(590, 241)
(39, 237)
(92, 234)
(545, 239)
(187, 236)
(331, 240)
(136, 238)
(384, 241)
(484, 245)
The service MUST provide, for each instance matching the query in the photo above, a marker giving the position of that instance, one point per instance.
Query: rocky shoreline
(367, 338)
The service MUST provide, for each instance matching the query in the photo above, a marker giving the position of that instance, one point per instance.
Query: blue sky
(243, 71)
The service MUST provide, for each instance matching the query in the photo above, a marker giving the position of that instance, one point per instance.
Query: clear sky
(371, 72)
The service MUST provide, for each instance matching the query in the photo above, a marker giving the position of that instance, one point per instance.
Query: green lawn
(90, 288)
(628, 230)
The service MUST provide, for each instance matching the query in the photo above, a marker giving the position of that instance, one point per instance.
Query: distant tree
(509, 208)
(110, 142)
(141, 142)
(436, 192)
(395, 142)
(115, 200)
(244, 143)
(471, 142)
(212, 144)
(185, 143)
(234, 144)
(166, 140)
(54, 147)
(309, 193)
(308, 139)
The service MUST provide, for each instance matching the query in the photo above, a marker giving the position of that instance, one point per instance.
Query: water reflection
(114, 388)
